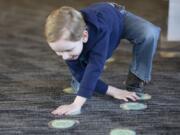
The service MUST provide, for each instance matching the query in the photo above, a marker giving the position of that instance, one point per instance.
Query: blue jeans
(144, 37)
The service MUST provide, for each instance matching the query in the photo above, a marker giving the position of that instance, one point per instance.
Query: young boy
(87, 38)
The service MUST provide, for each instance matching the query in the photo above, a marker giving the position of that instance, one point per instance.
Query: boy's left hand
(66, 109)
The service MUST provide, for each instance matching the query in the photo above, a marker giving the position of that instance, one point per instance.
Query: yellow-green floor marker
(143, 96)
(110, 60)
(119, 131)
(105, 67)
(133, 106)
(63, 123)
(69, 90)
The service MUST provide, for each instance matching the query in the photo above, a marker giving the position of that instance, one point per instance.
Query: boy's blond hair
(64, 21)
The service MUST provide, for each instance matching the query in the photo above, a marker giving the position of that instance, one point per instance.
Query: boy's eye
(58, 53)
(69, 50)
(64, 51)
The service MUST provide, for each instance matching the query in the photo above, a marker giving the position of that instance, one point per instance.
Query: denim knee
(151, 33)
(75, 84)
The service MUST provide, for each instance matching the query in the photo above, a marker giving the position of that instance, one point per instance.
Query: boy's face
(69, 50)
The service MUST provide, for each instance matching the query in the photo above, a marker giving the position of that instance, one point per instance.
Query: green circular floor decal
(143, 96)
(133, 106)
(110, 60)
(69, 90)
(122, 132)
(105, 67)
(63, 123)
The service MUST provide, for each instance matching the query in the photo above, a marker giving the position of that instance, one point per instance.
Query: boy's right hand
(70, 108)
(121, 94)
(66, 109)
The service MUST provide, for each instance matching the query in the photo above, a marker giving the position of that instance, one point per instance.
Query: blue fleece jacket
(105, 26)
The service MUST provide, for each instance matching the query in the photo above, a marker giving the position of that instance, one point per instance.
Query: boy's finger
(132, 98)
(57, 111)
(125, 99)
(69, 112)
(63, 111)
(61, 107)
(135, 95)
(53, 112)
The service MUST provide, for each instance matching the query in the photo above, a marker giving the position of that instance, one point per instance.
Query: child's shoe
(134, 84)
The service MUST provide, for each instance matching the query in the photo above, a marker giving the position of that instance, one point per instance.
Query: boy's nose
(65, 56)
(59, 54)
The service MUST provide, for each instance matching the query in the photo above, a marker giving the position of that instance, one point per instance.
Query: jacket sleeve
(77, 71)
(94, 68)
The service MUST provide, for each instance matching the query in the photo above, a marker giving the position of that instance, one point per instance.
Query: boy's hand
(121, 94)
(66, 109)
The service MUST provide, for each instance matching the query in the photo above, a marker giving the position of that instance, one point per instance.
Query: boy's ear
(85, 36)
